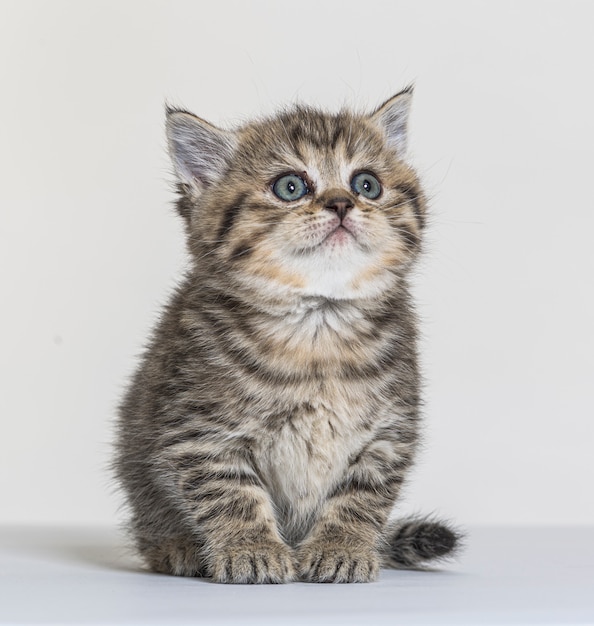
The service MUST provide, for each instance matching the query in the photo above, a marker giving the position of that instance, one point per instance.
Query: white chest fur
(323, 426)
(310, 454)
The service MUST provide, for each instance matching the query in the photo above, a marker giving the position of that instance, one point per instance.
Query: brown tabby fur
(275, 414)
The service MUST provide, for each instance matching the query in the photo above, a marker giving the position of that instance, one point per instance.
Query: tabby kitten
(267, 432)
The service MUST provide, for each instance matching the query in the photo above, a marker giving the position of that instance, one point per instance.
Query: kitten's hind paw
(335, 562)
(253, 564)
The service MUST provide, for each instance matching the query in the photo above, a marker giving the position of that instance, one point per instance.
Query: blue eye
(367, 185)
(290, 187)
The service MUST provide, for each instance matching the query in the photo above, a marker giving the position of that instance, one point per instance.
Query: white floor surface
(505, 576)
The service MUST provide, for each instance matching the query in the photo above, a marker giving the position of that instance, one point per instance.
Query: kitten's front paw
(337, 562)
(255, 564)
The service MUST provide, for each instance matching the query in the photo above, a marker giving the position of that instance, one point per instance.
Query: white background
(502, 133)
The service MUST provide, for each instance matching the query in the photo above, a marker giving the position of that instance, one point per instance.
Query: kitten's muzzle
(340, 206)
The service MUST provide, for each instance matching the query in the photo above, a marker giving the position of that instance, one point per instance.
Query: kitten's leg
(345, 543)
(179, 555)
(233, 514)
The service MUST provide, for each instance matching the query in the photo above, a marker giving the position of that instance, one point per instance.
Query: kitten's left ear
(200, 151)
(392, 118)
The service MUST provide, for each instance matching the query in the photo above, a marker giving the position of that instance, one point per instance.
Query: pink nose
(340, 206)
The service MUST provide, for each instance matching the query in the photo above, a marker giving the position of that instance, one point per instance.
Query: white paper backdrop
(502, 133)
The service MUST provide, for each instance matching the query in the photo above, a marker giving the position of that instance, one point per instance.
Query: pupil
(291, 187)
(367, 185)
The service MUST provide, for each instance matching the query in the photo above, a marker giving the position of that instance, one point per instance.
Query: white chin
(334, 271)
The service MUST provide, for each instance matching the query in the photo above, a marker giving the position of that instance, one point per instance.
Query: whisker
(398, 205)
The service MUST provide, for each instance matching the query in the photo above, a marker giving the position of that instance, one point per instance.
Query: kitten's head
(306, 202)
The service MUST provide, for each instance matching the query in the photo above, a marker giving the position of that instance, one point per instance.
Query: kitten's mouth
(340, 235)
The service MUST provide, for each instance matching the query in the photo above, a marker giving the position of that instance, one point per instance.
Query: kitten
(274, 416)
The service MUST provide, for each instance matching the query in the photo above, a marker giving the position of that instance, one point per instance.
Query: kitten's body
(275, 414)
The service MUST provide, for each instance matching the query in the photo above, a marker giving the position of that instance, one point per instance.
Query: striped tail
(411, 542)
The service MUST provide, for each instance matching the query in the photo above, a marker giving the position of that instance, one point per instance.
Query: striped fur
(275, 413)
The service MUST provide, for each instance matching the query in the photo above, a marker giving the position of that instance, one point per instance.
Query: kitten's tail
(410, 542)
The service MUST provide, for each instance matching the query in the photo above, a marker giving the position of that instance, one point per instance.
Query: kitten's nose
(340, 206)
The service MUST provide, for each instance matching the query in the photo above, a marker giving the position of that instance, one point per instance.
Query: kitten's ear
(199, 151)
(392, 118)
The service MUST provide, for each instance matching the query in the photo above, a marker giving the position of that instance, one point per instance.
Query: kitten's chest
(309, 450)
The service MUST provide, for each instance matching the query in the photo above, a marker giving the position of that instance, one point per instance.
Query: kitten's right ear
(200, 151)
(392, 118)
